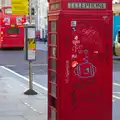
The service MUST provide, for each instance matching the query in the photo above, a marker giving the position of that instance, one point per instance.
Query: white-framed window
(8, 10)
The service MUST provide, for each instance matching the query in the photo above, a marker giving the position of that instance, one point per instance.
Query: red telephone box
(80, 60)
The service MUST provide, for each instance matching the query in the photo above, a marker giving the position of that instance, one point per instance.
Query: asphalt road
(15, 60)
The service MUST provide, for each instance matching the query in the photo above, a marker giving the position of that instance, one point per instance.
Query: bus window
(0, 10)
(8, 10)
(12, 30)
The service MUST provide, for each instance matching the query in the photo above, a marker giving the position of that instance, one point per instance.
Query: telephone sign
(87, 5)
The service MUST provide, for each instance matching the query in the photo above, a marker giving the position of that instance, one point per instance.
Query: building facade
(40, 17)
(5, 3)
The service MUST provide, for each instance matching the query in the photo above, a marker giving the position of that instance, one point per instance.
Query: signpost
(30, 55)
(30, 48)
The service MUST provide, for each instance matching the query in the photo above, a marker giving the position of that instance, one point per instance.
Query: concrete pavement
(14, 105)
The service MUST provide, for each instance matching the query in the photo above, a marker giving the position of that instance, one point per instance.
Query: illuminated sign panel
(20, 7)
(87, 5)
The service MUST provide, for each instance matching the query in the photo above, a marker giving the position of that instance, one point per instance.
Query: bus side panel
(13, 40)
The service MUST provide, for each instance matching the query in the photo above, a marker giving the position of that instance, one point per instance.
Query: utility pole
(30, 63)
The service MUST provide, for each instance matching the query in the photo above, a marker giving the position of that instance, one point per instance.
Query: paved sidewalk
(14, 105)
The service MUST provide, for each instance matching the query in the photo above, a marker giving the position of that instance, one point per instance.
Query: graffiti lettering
(67, 72)
(107, 53)
(77, 48)
(89, 32)
(89, 96)
(74, 56)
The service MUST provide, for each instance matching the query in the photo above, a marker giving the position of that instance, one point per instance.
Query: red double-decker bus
(11, 29)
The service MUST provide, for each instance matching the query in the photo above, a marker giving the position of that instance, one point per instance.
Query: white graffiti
(89, 32)
(76, 37)
(74, 56)
(77, 48)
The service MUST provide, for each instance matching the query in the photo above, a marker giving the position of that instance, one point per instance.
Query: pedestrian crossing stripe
(31, 44)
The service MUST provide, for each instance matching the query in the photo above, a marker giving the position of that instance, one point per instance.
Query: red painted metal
(9, 23)
(80, 63)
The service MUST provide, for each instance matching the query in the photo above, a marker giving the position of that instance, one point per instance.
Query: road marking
(26, 79)
(36, 65)
(114, 96)
(10, 65)
(116, 84)
(116, 92)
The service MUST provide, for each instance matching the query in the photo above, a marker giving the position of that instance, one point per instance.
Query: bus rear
(12, 30)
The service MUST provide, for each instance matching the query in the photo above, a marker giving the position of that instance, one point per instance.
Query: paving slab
(15, 105)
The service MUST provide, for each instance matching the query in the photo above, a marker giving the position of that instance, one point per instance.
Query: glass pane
(53, 76)
(53, 114)
(53, 39)
(53, 90)
(53, 1)
(52, 6)
(12, 30)
(8, 10)
(53, 26)
(53, 64)
(53, 51)
(58, 6)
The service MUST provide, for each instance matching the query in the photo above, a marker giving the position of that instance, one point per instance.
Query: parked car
(116, 45)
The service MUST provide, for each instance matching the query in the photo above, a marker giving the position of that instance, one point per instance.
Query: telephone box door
(86, 68)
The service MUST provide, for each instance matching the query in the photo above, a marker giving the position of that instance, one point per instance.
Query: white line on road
(114, 96)
(116, 92)
(26, 79)
(117, 84)
(36, 65)
(10, 65)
